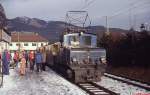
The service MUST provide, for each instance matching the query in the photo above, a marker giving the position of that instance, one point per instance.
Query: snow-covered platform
(42, 83)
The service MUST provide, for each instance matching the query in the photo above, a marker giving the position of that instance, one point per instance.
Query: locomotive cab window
(86, 40)
(74, 41)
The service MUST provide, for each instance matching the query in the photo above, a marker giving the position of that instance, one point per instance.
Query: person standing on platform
(32, 60)
(0, 57)
(6, 62)
(26, 57)
(16, 58)
(38, 60)
(22, 64)
(44, 58)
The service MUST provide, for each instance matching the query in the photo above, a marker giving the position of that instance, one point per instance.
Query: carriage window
(86, 40)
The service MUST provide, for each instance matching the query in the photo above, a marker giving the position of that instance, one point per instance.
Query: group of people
(23, 60)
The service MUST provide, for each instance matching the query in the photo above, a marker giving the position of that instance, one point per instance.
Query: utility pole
(107, 27)
(135, 22)
(37, 34)
(1, 71)
(1, 64)
(18, 41)
(131, 18)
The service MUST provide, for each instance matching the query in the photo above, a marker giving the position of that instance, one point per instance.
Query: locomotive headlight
(96, 61)
(103, 60)
(74, 59)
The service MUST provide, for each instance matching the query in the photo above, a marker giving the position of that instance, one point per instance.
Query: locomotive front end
(86, 60)
(87, 56)
(88, 64)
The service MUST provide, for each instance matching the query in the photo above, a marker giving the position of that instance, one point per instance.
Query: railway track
(94, 89)
(140, 81)
(128, 81)
(90, 87)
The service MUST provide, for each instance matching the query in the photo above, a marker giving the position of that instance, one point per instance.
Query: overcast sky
(56, 9)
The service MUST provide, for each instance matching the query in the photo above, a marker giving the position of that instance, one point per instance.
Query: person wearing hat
(22, 64)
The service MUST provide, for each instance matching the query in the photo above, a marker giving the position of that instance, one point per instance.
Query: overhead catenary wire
(133, 6)
(88, 4)
(132, 13)
(130, 8)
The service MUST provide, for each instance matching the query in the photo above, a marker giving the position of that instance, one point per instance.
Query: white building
(5, 39)
(26, 41)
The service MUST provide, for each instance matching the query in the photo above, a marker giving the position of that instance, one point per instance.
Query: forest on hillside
(133, 49)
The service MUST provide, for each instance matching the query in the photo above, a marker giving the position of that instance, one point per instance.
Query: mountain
(2, 17)
(51, 29)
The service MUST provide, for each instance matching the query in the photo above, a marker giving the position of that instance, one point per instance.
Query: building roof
(27, 37)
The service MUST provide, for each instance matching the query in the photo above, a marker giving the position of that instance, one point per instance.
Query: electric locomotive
(78, 58)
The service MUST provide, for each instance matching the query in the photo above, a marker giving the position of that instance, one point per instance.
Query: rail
(90, 87)
(137, 80)
(128, 81)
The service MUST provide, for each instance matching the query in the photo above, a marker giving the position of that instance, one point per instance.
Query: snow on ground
(122, 88)
(42, 83)
(128, 80)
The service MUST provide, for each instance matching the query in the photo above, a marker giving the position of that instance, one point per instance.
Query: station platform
(42, 83)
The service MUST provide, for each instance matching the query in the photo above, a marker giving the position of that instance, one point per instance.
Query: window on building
(33, 44)
(25, 44)
(10, 44)
(42, 44)
(17, 44)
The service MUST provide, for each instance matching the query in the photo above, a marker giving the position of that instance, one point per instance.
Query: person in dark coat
(26, 57)
(38, 60)
(5, 62)
(32, 60)
(16, 58)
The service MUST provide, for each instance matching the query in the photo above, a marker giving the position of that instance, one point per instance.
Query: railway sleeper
(94, 89)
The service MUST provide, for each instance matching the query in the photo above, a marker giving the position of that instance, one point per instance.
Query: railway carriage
(78, 58)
